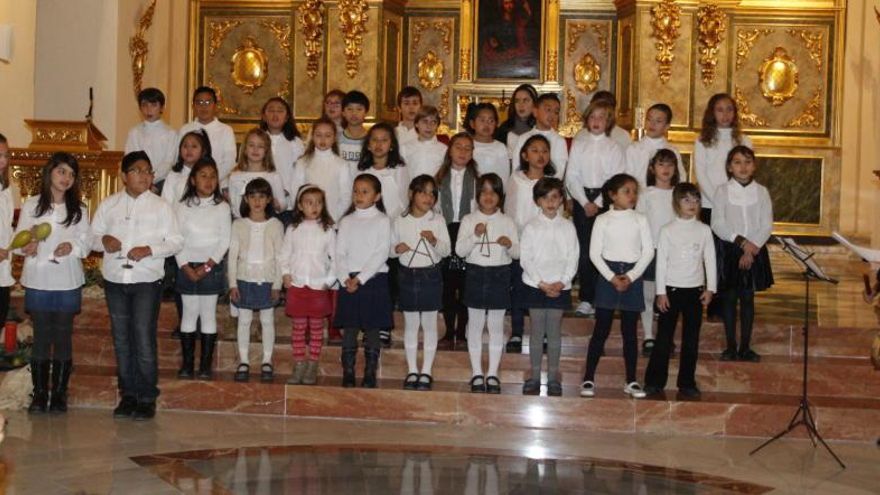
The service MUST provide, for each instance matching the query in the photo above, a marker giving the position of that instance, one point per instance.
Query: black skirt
(758, 278)
(368, 307)
(213, 283)
(421, 289)
(607, 297)
(536, 299)
(487, 287)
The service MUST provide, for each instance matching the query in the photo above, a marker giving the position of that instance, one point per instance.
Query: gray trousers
(545, 322)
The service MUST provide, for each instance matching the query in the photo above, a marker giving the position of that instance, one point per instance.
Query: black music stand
(803, 416)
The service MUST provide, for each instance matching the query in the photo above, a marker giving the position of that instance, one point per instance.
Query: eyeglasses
(690, 200)
(203, 103)
(141, 171)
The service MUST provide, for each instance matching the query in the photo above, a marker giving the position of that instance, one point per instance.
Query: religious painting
(508, 41)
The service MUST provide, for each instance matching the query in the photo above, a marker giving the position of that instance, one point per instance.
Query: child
(743, 219)
(254, 277)
(534, 164)
(153, 135)
(193, 147)
(409, 101)
(594, 159)
(421, 241)
(204, 220)
(254, 161)
(221, 135)
(657, 122)
(546, 121)
(333, 109)
(355, 106)
(621, 249)
(657, 205)
(491, 155)
(684, 251)
(362, 246)
(136, 230)
(424, 155)
(287, 146)
(488, 241)
(457, 179)
(549, 257)
(53, 277)
(619, 135)
(307, 271)
(520, 121)
(322, 166)
(380, 156)
(7, 211)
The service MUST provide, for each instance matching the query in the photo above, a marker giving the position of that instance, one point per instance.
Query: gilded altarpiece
(431, 62)
(588, 50)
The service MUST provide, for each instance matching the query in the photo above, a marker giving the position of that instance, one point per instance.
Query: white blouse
(328, 171)
(656, 204)
(621, 235)
(395, 188)
(639, 155)
(39, 271)
(158, 141)
(408, 229)
(285, 154)
(492, 158)
(710, 163)
(593, 160)
(549, 251)
(206, 230)
(362, 244)
(307, 255)
(238, 181)
(175, 185)
(743, 210)
(484, 250)
(423, 157)
(518, 202)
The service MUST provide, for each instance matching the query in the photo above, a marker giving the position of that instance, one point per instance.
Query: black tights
(52, 335)
(746, 299)
(628, 322)
(350, 338)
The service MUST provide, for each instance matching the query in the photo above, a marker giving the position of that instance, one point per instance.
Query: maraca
(21, 240)
(42, 231)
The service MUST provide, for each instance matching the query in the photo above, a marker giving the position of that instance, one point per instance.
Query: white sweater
(159, 141)
(328, 171)
(362, 244)
(593, 160)
(285, 154)
(558, 150)
(686, 256)
(549, 251)
(206, 229)
(656, 204)
(423, 157)
(518, 203)
(408, 229)
(639, 155)
(710, 163)
(254, 249)
(474, 250)
(307, 255)
(492, 158)
(620, 136)
(395, 188)
(742, 210)
(222, 139)
(621, 235)
(238, 181)
(175, 185)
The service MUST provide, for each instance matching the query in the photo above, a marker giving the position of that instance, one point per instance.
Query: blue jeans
(134, 312)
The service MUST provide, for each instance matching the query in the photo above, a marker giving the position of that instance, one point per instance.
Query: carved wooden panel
(431, 52)
(588, 54)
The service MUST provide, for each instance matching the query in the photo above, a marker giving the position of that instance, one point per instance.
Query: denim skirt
(421, 289)
(369, 307)
(607, 297)
(60, 301)
(213, 283)
(536, 299)
(252, 295)
(487, 287)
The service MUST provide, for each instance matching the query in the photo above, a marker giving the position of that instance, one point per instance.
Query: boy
(221, 136)
(618, 134)
(425, 154)
(409, 100)
(638, 154)
(546, 119)
(136, 230)
(153, 135)
(355, 106)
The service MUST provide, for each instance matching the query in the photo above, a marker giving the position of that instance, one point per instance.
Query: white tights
(197, 308)
(650, 289)
(428, 322)
(267, 323)
(477, 319)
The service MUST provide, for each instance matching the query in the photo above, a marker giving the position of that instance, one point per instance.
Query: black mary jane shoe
(411, 382)
(242, 373)
(493, 385)
(531, 387)
(554, 389)
(478, 385)
(267, 373)
(425, 382)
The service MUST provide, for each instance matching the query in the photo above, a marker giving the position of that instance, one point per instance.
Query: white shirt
(742, 210)
(147, 220)
(485, 251)
(408, 229)
(593, 160)
(456, 186)
(492, 158)
(205, 227)
(175, 185)
(558, 150)
(362, 244)
(7, 210)
(285, 154)
(238, 181)
(39, 272)
(222, 139)
(618, 135)
(656, 204)
(549, 251)
(518, 202)
(405, 135)
(639, 155)
(395, 188)
(686, 256)
(423, 157)
(328, 171)
(159, 141)
(710, 163)
(621, 235)
(307, 255)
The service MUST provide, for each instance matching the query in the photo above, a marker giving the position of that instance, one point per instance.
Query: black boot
(60, 377)
(188, 352)
(207, 357)
(349, 357)
(370, 367)
(40, 378)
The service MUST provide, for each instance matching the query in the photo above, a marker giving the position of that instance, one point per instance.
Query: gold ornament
(465, 68)
(811, 116)
(573, 120)
(219, 30)
(138, 48)
(250, 66)
(443, 110)
(552, 65)
(311, 21)
(665, 22)
(443, 28)
(431, 71)
(812, 41)
(711, 33)
(779, 77)
(587, 73)
(745, 40)
(281, 30)
(353, 22)
(746, 116)
(221, 102)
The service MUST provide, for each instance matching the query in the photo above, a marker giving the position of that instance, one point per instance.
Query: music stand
(802, 415)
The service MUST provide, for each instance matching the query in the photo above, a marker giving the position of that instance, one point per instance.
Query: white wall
(17, 76)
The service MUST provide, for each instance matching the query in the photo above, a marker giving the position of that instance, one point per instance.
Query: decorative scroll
(281, 30)
(430, 71)
(63, 136)
(665, 22)
(779, 78)
(221, 102)
(218, 32)
(444, 28)
(601, 37)
(30, 179)
(311, 21)
(811, 116)
(573, 121)
(574, 35)
(443, 111)
(465, 68)
(552, 65)
(353, 22)
(814, 42)
(284, 89)
(586, 74)
(711, 29)
(745, 112)
(745, 40)
(138, 48)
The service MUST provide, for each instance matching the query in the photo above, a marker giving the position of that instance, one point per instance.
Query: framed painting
(509, 39)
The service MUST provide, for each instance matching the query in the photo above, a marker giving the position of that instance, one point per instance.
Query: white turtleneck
(486, 251)
(686, 256)
(395, 188)
(492, 158)
(518, 202)
(621, 235)
(742, 210)
(558, 149)
(594, 159)
(549, 251)
(656, 204)
(710, 163)
(285, 154)
(159, 141)
(328, 171)
(640, 153)
(423, 156)
(408, 229)
(362, 244)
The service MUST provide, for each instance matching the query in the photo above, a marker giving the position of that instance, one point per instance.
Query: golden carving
(745, 111)
(250, 66)
(353, 22)
(465, 63)
(219, 31)
(281, 30)
(811, 116)
(574, 35)
(89, 181)
(552, 65)
(779, 77)
(221, 102)
(284, 90)
(311, 21)
(61, 136)
(30, 179)
(587, 73)
(444, 28)
(463, 102)
(712, 26)
(601, 37)
(665, 22)
(573, 121)
(443, 110)
(138, 48)
(813, 41)
(431, 71)
(745, 40)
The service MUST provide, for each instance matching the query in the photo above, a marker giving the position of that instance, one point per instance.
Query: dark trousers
(52, 332)
(350, 338)
(587, 273)
(715, 307)
(746, 298)
(628, 322)
(134, 312)
(517, 312)
(684, 302)
(455, 315)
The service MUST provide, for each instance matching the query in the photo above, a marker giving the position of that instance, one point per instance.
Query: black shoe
(749, 355)
(206, 360)
(385, 338)
(411, 382)
(689, 392)
(242, 373)
(187, 354)
(349, 357)
(531, 387)
(728, 355)
(371, 366)
(647, 347)
(651, 390)
(514, 345)
(478, 385)
(554, 389)
(60, 378)
(425, 382)
(493, 385)
(144, 411)
(267, 373)
(125, 408)
(40, 378)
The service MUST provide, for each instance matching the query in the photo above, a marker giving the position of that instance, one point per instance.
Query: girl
(362, 246)
(7, 210)
(549, 257)
(457, 179)
(380, 157)
(204, 220)
(684, 251)
(307, 273)
(424, 155)
(193, 146)
(488, 240)
(53, 277)
(421, 241)
(254, 277)
(287, 145)
(621, 248)
(520, 206)
(656, 204)
(254, 161)
(521, 120)
(743, 220)
(333, 109)
(490, 154)
(322, 166)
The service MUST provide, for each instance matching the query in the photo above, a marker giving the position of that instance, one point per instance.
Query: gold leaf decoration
(219, 30)
(552, 65)
(573, 122)
(221, 102)
(311, 21)
(745, 111)
(281, 30)
(779, 77)
(745, 40)
(587, 73)
(465, 68)
(811, 116)
(665, 22)
(443, 28)
(711, 29)
(250, 66)
(284, 90)
(443, 110)
(601, 37)
(138, 48)
(431, 71)
(813, 41)
(353, 22)
(576, 30)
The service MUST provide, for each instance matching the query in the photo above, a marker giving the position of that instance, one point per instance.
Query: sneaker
(647, 347)
(749, 356)
(728, 355)
(585, 309)
(532, 387)
(125, 408)
(689, 392)
(588, 389)
(634, 390)
(385, 338)
(514, 345)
